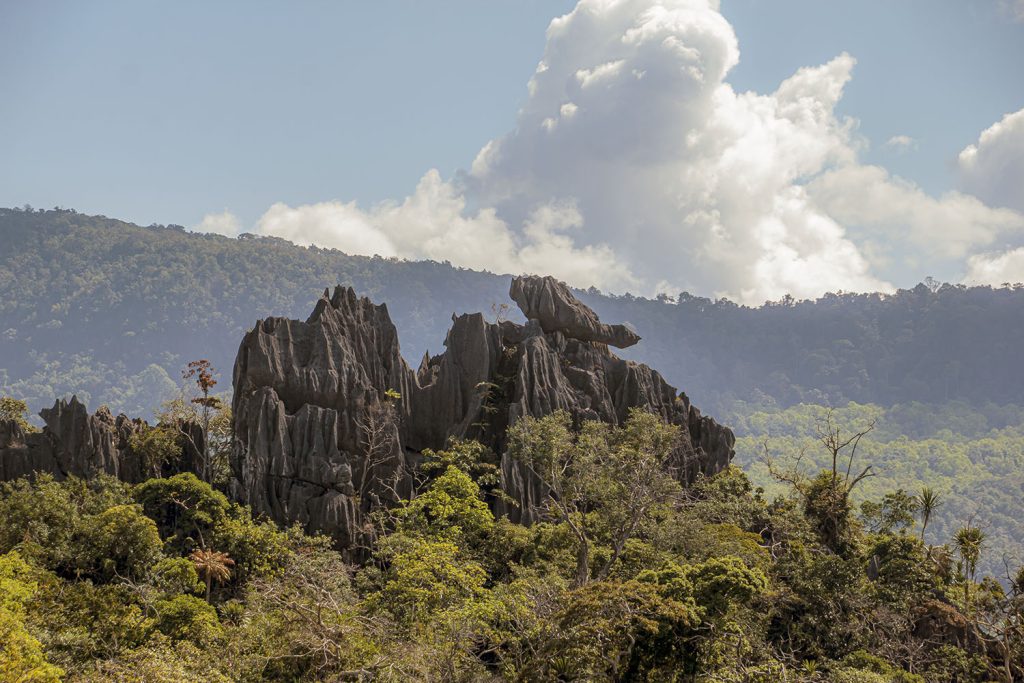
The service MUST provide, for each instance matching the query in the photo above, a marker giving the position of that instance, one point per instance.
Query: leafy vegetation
(801, 569)
(970, 457)
(168, 581)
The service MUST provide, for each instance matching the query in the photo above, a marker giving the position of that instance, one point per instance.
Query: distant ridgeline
(112, 311)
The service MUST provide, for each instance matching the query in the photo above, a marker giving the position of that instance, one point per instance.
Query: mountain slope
(112, 311)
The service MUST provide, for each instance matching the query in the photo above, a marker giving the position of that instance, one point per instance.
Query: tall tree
(11, 409)
(928, 501)
(827, 497)
(969, 541)
(378, 432)
(212, 565)
(201, 371)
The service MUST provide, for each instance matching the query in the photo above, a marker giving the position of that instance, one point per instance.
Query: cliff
(321, 438)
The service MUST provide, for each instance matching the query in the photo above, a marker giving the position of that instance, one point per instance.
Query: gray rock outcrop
(553, 305)
(73, 443)
(330, 421)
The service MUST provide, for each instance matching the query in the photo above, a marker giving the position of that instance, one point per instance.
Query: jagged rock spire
(304, 392)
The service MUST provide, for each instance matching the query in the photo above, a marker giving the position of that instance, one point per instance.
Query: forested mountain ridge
(910, 575)
(112, 310)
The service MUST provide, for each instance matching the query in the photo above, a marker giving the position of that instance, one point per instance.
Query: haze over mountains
(112, 311)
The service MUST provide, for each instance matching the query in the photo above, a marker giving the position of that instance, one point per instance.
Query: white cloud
(602, 72)
(634, 165)
(432, 223)
(689, 182)
(993, 168)
(326, 224)
(223, 223)
(901, 143)
(950, 226)
(996, 269)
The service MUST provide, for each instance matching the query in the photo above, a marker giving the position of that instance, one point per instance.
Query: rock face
(73, 443)
(319, 441)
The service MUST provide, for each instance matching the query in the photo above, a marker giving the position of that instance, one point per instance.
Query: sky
(747, 149)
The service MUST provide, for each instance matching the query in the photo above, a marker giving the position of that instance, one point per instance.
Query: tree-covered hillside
(626, 576)
(972, 456)
(112, 311)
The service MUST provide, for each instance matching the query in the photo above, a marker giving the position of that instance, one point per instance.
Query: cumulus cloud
(993, 167)
(223, 223)
(692, 184)
(328, 224)
(635, 165)
(950, 226)
(432, 223)
(996, 269)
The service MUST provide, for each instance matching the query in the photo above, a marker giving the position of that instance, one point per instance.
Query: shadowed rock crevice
(305, 394)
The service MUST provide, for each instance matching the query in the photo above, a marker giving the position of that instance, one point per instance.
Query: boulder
(551, 303)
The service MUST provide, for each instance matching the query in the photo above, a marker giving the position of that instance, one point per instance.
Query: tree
(211, 565)
(427, 576)
(307, 618)
(450, 509)
(118, 542)
(13, 410)
(894, 514)
(21, 654)
(46, 519)
(186, 617)
(378, 429)
(928, 501)
(185, 419)
(156, 446)
(202, 372)
(602, 477)
(185, 509)
(826, 497)
(619, 631)
(968, 541)
(470, 456)
(1002, 624)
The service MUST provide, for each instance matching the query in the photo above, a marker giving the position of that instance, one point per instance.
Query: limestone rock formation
(73, 443)
(550, 302)
(321, 437)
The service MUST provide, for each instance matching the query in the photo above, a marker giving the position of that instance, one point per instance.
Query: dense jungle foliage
(112, 311)
(627, 576)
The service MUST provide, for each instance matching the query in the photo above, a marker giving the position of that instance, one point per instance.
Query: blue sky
(154, 112)
(162, 112)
